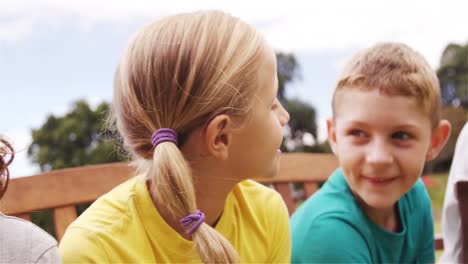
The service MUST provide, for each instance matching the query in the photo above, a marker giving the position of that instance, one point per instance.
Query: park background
(57, 60)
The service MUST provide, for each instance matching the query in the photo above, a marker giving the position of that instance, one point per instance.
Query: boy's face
(381, 142)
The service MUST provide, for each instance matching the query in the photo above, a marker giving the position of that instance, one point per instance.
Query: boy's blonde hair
(179, 73)
(395, 70)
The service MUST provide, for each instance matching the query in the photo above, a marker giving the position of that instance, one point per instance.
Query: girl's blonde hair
(7, 154)
(179, 73)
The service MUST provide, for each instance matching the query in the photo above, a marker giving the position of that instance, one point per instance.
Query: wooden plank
(285, 190)
(303, 167)
(63, 217)
(87, 183)
(462, 196)
(25, 216)
(62, 187)
(310, 188)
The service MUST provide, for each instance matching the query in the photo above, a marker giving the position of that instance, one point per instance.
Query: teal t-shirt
(330, 227)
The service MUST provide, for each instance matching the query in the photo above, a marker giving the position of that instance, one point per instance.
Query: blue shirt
(330, 227)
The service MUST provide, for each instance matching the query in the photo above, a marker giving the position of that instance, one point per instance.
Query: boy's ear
(218, 136)
(331, 135)
(438, 139)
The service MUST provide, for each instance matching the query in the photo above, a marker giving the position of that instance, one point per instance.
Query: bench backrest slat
(62, 187)
(62, 190)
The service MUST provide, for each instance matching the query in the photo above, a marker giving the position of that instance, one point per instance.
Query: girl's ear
(331, 135)
(218, 136)
(438, 139)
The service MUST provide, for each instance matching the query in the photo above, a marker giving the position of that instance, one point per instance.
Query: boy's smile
(381, 142)
(380, 181)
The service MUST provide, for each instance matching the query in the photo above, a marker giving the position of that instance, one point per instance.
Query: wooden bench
(62, 190)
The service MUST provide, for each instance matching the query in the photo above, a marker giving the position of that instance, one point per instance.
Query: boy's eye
(401, 135)
(357, 133)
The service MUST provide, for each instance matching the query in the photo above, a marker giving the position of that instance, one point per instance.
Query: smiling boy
(386, 124)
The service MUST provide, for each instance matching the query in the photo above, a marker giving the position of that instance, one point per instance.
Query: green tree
(303, 115)
(78, 138)
(453, 75)
(288, 70)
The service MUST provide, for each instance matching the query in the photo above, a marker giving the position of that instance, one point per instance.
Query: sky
(54, 52)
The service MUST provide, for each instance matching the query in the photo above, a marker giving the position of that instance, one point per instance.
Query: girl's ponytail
(172, 180)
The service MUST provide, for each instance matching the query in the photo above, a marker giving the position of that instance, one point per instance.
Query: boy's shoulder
(333, 199)
(416, 199)
(333, 219)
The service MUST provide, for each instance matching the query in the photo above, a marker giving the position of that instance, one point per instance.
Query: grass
(436, 184)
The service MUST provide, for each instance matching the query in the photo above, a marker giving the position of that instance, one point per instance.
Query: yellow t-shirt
(124, 226)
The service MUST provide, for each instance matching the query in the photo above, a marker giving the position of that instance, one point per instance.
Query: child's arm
(450, 215)
(329, 240)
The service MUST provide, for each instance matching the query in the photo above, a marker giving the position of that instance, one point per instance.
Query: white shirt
(451, 225)
(23, 242)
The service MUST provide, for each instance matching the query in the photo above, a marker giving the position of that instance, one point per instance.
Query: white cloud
(294, 26)
(332, 25)
(14, 30)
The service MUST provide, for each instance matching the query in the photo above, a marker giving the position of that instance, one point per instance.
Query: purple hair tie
(198, 217)
(164, 135)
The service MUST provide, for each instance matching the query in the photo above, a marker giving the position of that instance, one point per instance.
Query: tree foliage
(288, 71)
(75, 139)
(303, 115)
(453, 75)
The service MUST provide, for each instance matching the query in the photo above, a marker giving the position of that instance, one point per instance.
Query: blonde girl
(195, 103)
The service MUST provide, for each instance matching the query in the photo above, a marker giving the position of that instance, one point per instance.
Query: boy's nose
(379, 153)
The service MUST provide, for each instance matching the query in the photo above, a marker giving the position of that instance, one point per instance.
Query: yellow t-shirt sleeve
(77, 246)
(281, 233)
